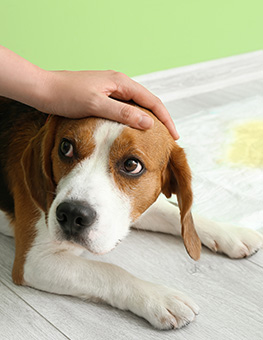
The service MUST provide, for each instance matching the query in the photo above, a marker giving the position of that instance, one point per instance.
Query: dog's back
(18, 124)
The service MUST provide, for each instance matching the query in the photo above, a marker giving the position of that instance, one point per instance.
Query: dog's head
(93, 178)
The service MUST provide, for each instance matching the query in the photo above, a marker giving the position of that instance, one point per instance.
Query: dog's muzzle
(74, 217)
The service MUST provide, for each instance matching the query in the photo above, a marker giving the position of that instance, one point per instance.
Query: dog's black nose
(74, 216)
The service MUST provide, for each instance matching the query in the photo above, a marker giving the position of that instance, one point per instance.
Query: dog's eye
(66, 148)
(133, 166)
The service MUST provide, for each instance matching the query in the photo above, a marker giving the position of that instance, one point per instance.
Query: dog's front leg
(162, 216)
(57, 268)
(236, 242)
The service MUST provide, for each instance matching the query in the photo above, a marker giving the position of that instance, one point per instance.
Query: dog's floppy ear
(177, 180)
(37, 166)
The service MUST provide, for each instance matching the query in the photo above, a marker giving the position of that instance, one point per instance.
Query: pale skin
(78, 94)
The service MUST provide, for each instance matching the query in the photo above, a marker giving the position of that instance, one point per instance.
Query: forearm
(19, 79)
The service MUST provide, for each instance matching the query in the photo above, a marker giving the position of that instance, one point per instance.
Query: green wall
(135, 37)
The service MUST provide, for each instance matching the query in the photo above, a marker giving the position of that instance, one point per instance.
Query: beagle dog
(73, 185)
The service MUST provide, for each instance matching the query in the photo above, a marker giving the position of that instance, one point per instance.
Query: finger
(148, 100)
(128, 89)
(123, 113)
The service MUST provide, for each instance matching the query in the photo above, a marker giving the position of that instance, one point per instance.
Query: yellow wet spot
(247, 147)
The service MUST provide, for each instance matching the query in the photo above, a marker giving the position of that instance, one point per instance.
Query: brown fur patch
(80, 133)
(37, 166)
(18, 124)
(31, 167)
(26, 216)
(143, 145)
(167, 170)
(42, 164)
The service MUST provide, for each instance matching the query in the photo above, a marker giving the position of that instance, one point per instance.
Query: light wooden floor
(229, 292)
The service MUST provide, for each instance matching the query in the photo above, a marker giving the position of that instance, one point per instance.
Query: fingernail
(145, 122)
(175, 134)
(173, 131)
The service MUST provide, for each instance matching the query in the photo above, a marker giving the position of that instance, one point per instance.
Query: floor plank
(193, 80)
(18, 320)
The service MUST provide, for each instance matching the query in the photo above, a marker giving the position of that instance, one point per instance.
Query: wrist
(42, 94)
(21, 80)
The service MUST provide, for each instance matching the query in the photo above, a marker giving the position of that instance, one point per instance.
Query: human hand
(78, 94)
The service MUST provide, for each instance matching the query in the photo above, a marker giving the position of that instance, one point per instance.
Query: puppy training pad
(224, 147)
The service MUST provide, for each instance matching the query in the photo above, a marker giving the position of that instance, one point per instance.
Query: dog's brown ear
(37, 166)
(177, 180)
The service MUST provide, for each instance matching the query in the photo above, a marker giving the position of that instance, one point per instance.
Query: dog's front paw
(234, 241)
(165, 308)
